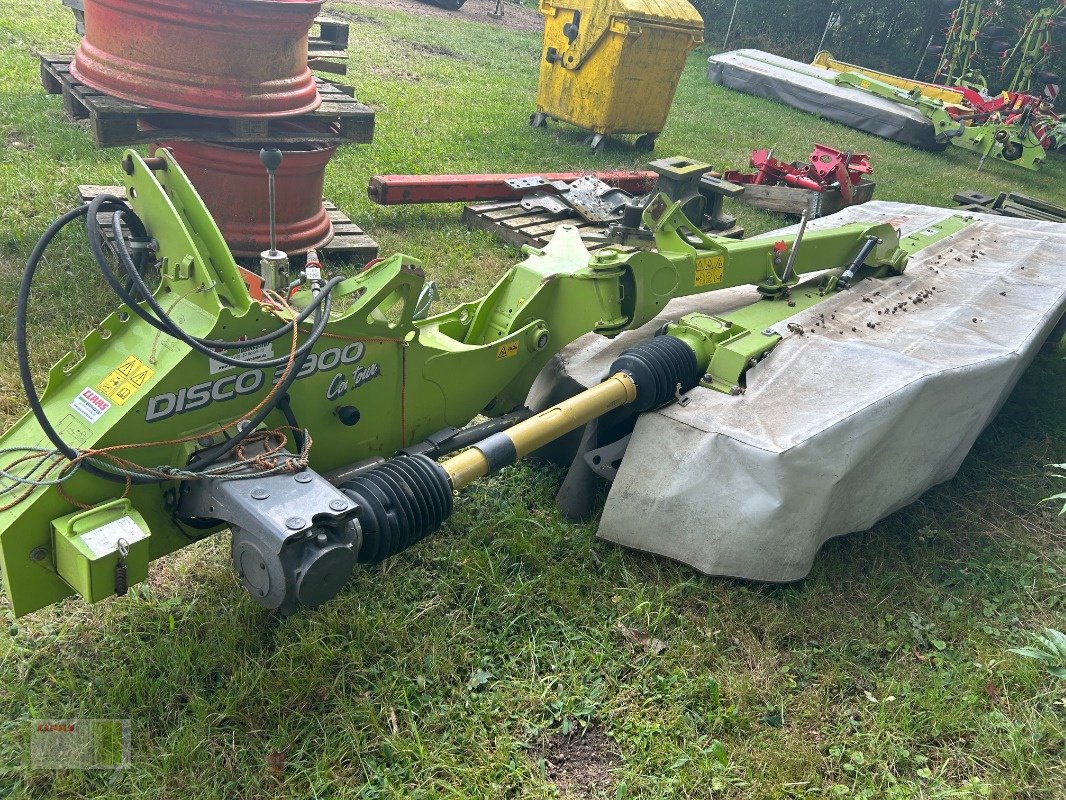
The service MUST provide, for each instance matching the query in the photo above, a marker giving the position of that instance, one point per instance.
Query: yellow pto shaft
(533, 433)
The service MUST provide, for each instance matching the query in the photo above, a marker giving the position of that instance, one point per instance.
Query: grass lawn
(514, 655)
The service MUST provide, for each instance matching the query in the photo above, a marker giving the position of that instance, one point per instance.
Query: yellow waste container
(612, 66)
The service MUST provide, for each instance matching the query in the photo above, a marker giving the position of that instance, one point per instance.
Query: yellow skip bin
(612, 66)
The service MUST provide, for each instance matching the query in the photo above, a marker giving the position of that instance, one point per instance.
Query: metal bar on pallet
(1011, 204)
(517, 226)
(390, 190)
(1043, 206)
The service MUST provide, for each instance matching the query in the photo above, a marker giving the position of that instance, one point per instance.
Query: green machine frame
(376, 381)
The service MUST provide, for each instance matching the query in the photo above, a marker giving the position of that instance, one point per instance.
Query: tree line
(889, 35)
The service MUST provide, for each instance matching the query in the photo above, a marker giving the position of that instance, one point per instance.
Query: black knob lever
(271, 158)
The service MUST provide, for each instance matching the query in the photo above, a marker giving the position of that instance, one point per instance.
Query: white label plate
(262, 352)
(90, 404)
(103, 541)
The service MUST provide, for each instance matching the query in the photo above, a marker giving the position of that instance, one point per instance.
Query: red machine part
(1010, 109)
(837, 167)
(982, 108)
(389, 190)
(221, 58)
(827, 168)
(771, 172)
(1042, 126)
(767, 169)
(233, 184)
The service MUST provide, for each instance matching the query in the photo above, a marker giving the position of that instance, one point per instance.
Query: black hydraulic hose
(106, 202)
(1027, 116)
(164, 323)
(141, 260)
(23, 353)
(124, 256)
(284, 405)
(212, 454)
(321, 306)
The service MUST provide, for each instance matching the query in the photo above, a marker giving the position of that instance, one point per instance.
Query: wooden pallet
(350, 244)
(327, 46)
(328, 36)
(517, 226)
(117, 122)
(790, 200)
(324, 61)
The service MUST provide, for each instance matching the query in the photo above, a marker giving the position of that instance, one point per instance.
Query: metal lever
(273, 263)
(271, 158)
(786, 276)
(572, 29)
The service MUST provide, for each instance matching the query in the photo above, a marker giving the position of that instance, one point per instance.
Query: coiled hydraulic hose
(320, 306)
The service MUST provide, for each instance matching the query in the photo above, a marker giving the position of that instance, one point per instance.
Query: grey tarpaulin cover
(841, 426)
(810, 88)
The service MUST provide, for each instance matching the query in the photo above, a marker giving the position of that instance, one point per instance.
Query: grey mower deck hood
(839, 426)
(810, 88)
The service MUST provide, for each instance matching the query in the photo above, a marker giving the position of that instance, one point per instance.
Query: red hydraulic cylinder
(391, 190)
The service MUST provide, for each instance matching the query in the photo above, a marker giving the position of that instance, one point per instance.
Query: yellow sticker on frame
(124, 381)
(507, 350)
(709, 270)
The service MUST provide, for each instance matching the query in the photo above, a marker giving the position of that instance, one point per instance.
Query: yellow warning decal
(507, 350)
(125, 380)
(709, 270)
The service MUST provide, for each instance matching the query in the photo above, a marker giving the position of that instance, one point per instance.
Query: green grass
(456, 669)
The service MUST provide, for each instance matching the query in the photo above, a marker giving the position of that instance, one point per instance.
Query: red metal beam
(390, 190)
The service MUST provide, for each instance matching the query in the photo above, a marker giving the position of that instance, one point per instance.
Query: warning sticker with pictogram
(124, 381)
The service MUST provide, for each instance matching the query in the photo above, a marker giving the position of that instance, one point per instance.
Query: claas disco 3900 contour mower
(317, 418)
